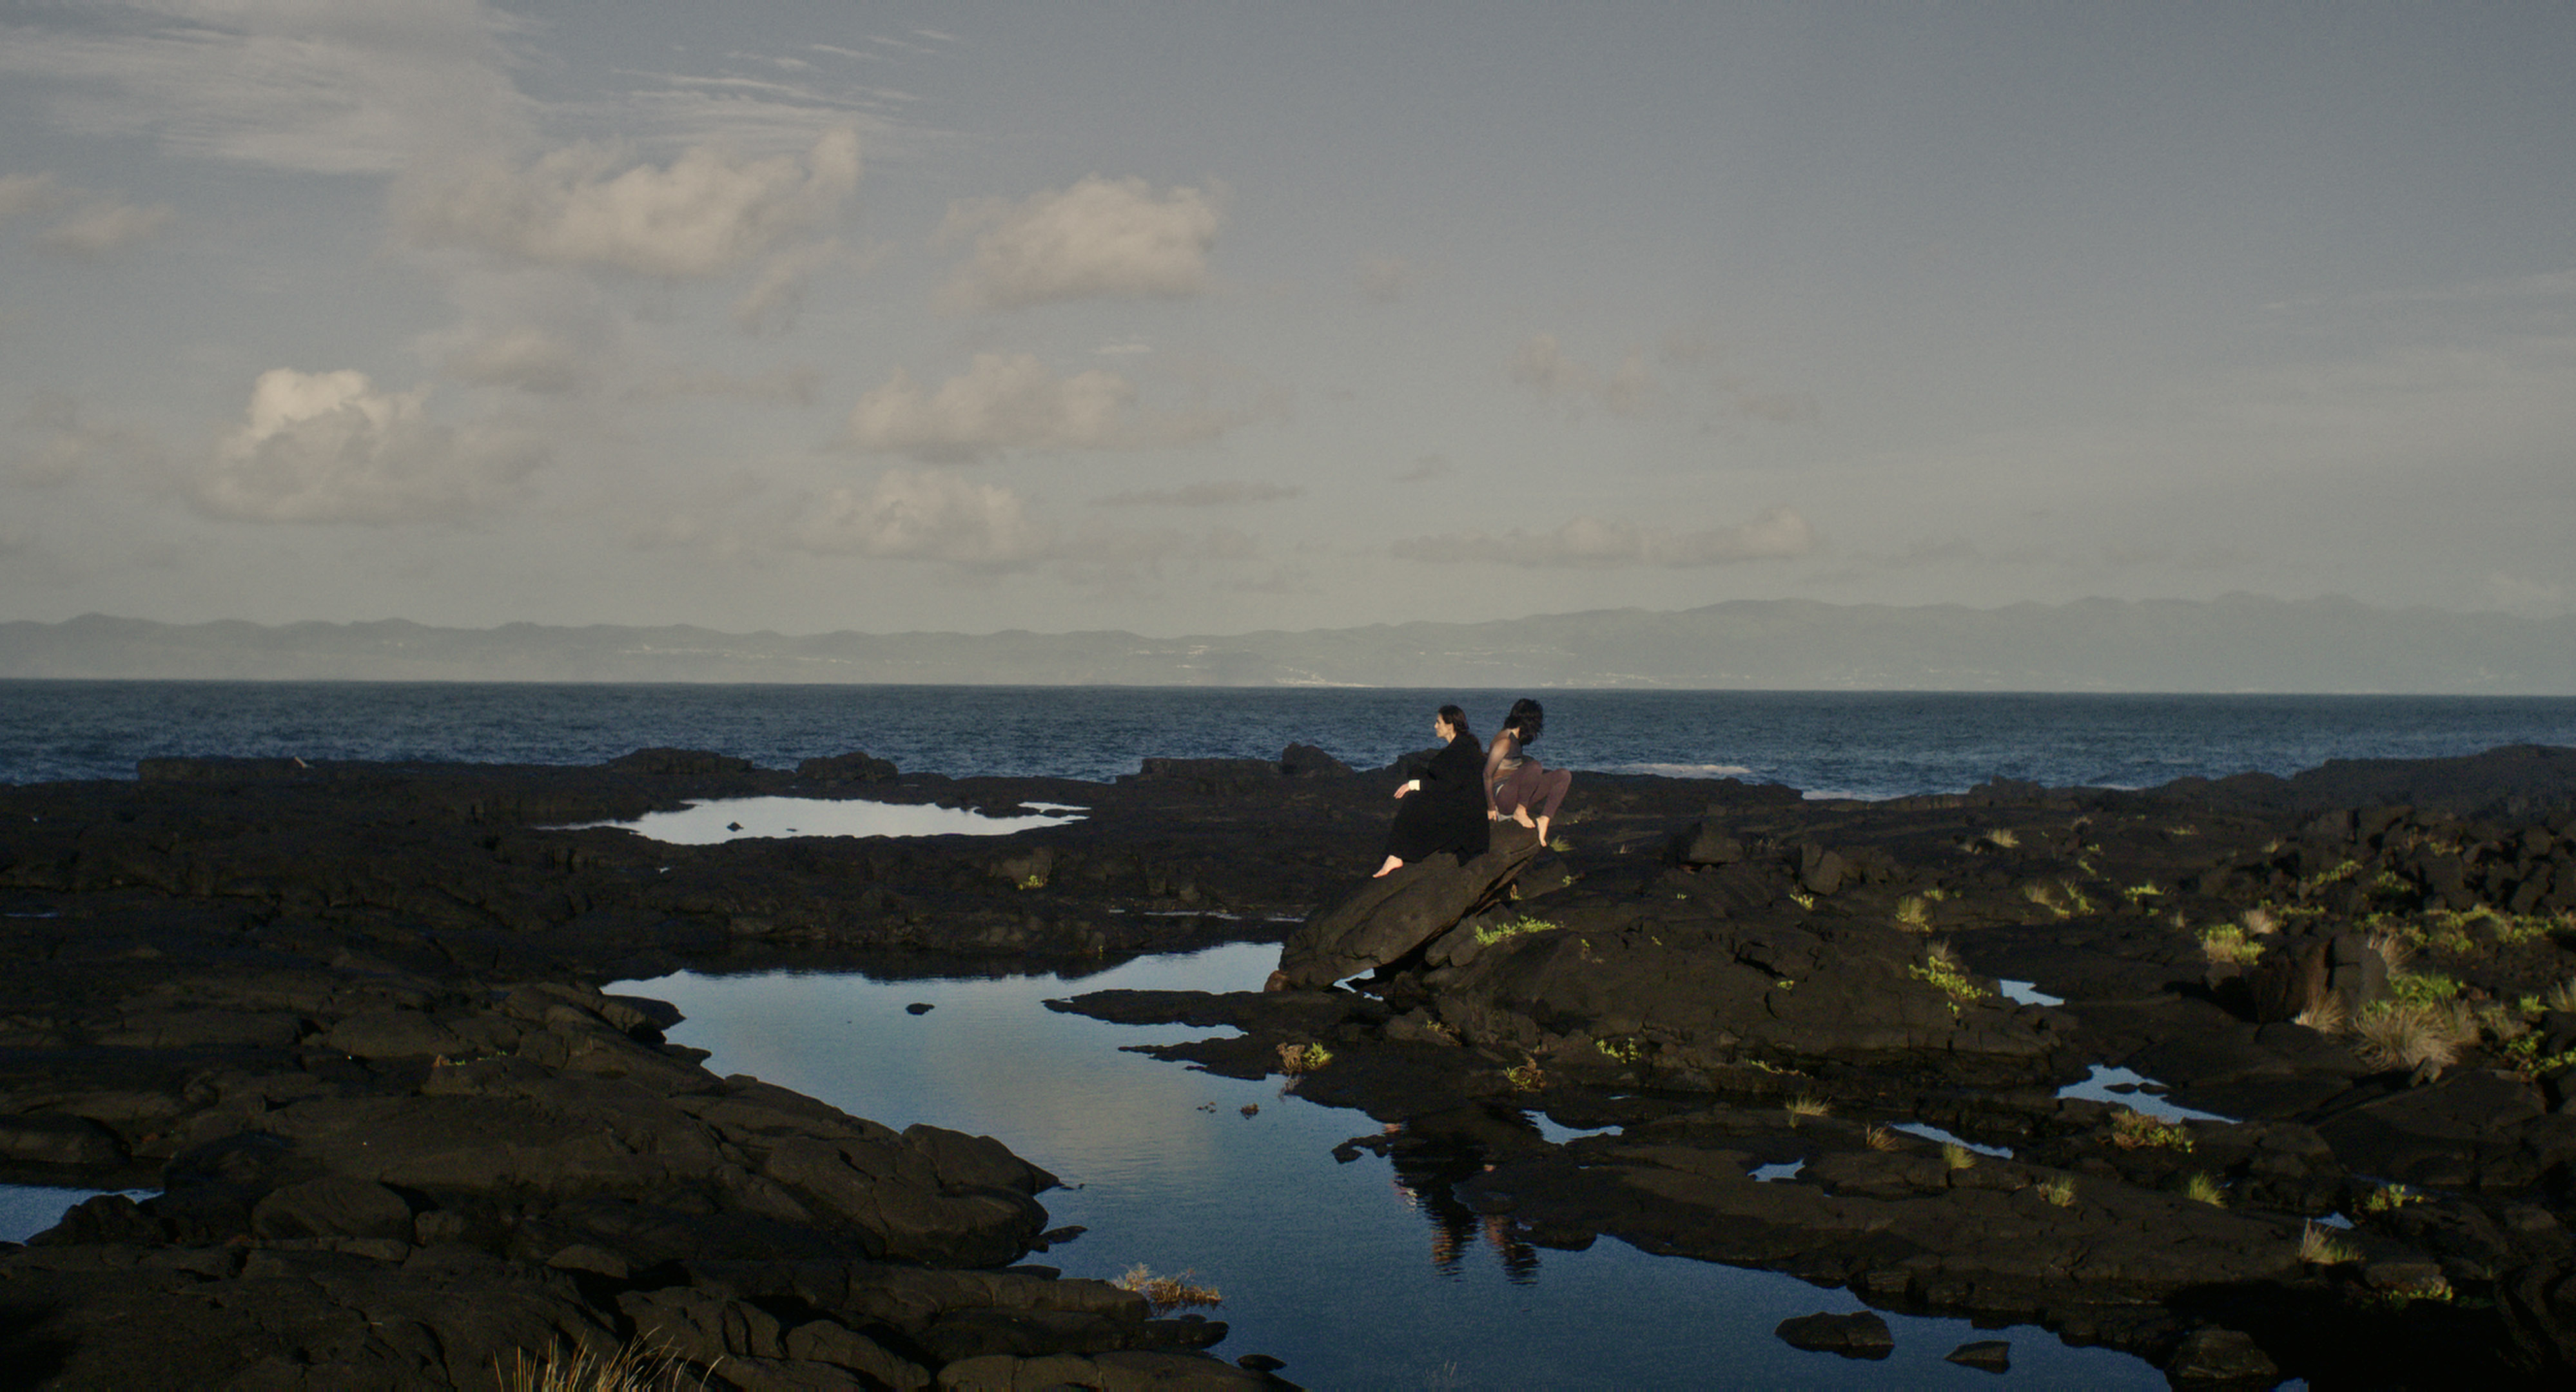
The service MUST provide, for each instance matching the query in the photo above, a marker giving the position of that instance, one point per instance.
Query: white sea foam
(1684, 770)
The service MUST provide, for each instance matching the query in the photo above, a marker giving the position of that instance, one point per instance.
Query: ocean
(1827, 744)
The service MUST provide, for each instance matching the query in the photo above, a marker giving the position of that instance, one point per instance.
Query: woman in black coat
(1444, 809)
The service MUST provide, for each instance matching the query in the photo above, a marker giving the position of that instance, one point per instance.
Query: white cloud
(1543, 366)
(66, 446)
(1592, 543)
(1101, 238)
(26, 193)
(350, 87)
(531, 360)
(105, 225)
(926, 515)
(708, 211)
(1201, 495)
(1384, 279)
(788, 386)
(779, 291)
(329, 447)
(1013, 401)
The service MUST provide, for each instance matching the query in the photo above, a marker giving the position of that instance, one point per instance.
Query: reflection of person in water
(1443, 810)
(1514, 782)
(1425, 1174)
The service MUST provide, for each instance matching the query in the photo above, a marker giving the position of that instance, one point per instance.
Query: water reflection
(732, 819)
(1357, 1276)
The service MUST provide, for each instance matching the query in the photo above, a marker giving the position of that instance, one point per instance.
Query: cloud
(926, 515)
(352, 87)
(67, 447)
(1013, 401)
(329, 447)
(105, 225)
(788, 386)
(779, 291)
(1589, 542)
(1384, 279)
(530, 360)
(1629, 389)
(705, 213)
(1201, 495)
(1101, 238)
(27, 193)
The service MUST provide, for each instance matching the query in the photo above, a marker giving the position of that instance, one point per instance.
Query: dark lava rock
(1386, 917)
(1991, 1355)
(918, 1008)
(1862, 1334)
(2211, 1354)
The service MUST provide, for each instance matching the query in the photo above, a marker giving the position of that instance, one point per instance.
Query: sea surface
(1827, 744)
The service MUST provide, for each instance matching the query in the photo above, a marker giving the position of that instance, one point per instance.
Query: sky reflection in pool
(28, 1209)
(1360, 1274)
(728, 819)
(2127, 1088)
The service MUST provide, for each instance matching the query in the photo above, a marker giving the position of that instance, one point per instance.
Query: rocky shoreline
(342, 1015)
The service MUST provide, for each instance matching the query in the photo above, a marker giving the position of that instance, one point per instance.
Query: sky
(1214, 318)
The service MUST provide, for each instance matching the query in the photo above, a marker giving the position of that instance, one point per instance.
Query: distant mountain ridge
(2233, 644)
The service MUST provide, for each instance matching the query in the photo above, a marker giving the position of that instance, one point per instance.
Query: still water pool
(1353, 1275)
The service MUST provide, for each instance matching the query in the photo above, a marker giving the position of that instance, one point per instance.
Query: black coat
(1447, 813)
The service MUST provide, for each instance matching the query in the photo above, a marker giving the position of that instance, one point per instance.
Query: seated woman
(1439, 809)
(1515, 782)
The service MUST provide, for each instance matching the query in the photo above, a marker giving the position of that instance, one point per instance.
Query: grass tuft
(1297, 1060)
(2139, 1131)
(1526, 1076)
(1942, 968)
(2318, 1246)
(1167, 1293)
(2561, 996)
(2227, 944)
(2059, 1192)
(633, 1368)
(2327, 1016)
(2398, 1034)
(2259, 922)
(1805, 1105)
(1955, 1156)
(1914, 914)
(1500, 929)
(2203, 1188)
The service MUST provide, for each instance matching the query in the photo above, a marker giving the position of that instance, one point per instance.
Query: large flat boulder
(1393, 914)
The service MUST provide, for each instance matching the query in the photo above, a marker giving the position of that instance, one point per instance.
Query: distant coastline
(2233, 644)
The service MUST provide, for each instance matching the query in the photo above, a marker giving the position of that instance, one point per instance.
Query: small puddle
(2024, 993)
(1785, 1170)
(1930, 1132)
(731, 819)
(2128, 1088)
(1558, 1134)
(28, 1209)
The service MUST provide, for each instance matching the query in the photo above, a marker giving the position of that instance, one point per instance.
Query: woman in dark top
(1444, 809)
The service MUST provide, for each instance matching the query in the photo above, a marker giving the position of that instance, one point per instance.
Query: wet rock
(1990, 1355)
(2211, 1354)
(1860, 1335)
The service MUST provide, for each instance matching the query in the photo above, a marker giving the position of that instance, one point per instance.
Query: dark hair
(1526, 720)
(1457, 720)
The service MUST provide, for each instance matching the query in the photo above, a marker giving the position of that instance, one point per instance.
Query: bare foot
(1542, 831)
(1521, 815)
(1391, 864)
